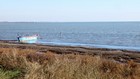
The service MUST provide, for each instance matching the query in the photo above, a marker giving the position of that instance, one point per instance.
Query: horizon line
(59, 21)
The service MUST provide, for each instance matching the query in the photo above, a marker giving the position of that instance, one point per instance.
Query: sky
(69, 10)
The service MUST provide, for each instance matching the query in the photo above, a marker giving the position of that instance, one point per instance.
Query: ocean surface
(116, 35)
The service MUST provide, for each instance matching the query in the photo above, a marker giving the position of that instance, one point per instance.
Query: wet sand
(113, 54)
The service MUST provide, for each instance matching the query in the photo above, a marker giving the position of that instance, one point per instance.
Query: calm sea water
(119, 35)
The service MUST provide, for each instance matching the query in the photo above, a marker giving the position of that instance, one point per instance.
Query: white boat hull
(28, 39)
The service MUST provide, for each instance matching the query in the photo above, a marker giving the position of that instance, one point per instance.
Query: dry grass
(48, 65)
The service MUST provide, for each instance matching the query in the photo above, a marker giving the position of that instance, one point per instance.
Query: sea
(113, 35)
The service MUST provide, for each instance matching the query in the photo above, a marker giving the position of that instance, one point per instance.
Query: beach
(112, 54)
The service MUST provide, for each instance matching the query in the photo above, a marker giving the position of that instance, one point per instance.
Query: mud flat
(113, 54)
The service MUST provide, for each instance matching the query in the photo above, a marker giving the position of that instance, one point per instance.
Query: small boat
(28, 39)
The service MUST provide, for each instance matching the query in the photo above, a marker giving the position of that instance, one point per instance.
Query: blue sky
(69, 10)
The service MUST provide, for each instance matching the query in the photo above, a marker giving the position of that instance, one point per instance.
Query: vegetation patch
(48, 65)
(9, 74)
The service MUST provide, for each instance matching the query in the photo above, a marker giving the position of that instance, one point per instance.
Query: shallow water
(119, 35)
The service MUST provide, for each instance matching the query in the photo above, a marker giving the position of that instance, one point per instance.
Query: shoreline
(100, 47)
(111, 54)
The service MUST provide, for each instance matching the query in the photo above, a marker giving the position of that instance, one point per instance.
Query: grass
(9, 74)
(47, 65)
